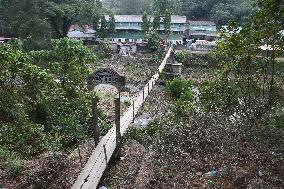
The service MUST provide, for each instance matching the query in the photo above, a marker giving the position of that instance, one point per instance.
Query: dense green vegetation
(220, 11)
(38, 21)
(248, 86)
(44, 103)
(228, 123)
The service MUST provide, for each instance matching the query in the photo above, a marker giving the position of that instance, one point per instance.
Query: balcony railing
(139, 28)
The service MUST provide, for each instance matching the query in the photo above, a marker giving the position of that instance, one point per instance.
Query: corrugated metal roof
(201, 23)
(79, 34)
(202, 28)
(90, 31)
(4, 38)
(204, 42)
(138, 18)
(77, 27)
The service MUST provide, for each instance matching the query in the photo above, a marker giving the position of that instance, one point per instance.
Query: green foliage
(145, 135)
(103, 50)
(111, 29)
(103, 28)
(219, 10)
(127, 103)
(183, 97)
(37, 21)
(44, 104)
(104, 128)
(278, 122)
(179, 89)
(156, 21)
(89, 13)
(182, 56)
(128, 7)
(145, 23)
(153, 40)
(167, 21)
(156, 58)
(25, 19)
(23, 136)
(162, 6)
(246, 85)
(12, 161)
(221, 13)
(219, 96)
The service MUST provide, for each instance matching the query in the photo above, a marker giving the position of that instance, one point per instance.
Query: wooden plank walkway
(97, 163)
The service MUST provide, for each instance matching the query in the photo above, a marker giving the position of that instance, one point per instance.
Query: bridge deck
(97, 163)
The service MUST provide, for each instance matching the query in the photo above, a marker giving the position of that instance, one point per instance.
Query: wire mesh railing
(90, 176)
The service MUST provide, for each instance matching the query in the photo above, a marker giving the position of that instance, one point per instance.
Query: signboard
(106, 76)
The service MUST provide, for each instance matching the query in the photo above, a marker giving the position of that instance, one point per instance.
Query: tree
(167, 22)
(44, 103)
(237, 10)
(128, 7)
(161, 6)
(61, 15)
(221, 13)
(99, 4)
(111, 28)
(25, 19)
(145, 22)
(103, 27)
(3, 17)
(153, 40)
(245, 86)
(38, 21)
(90, 13)
(156, 21)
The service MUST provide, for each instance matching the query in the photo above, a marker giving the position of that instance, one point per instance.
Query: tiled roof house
(129, 27)
(201, 30)
(134, 22)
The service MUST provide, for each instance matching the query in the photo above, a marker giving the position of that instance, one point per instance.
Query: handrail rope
(125, 116)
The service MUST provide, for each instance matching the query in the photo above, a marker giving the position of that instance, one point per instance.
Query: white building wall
(124, 40)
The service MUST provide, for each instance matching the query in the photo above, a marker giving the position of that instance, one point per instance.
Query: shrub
(153, 40)
(278, 122)
(24, 138)
(13, 161)
(44, 103)
(219, 96)
(145, 135)
(180, 89)
(182, 56)
(103, 50)
(104, 127)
